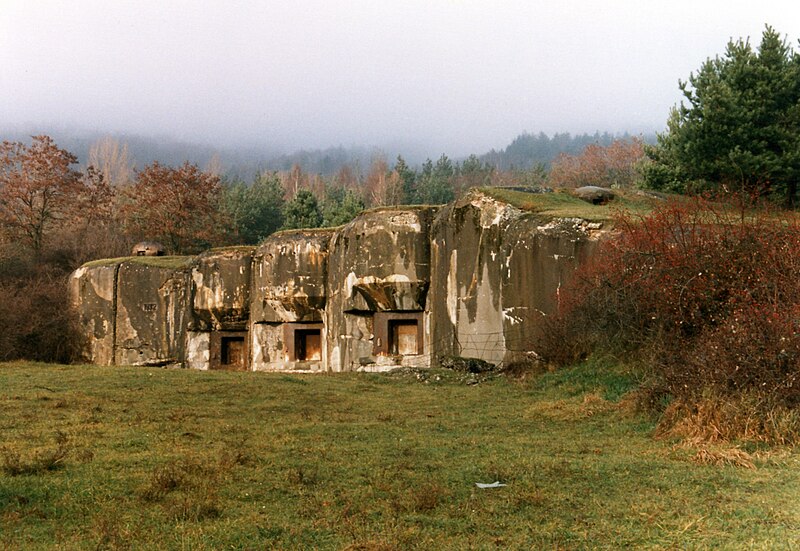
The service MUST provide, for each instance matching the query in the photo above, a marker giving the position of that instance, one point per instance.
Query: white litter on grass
(492, 485)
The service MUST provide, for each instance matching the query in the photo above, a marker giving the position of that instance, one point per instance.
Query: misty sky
(452, 76)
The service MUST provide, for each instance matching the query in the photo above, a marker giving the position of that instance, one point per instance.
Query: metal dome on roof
(148, 248)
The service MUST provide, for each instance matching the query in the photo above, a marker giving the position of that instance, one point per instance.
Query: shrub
(705, 295)
(36, 319)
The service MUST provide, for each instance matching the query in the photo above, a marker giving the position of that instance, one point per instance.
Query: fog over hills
(259, 81)
(245, 160)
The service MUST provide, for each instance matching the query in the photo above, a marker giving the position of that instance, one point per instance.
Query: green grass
(232, 248)
(178, 459)
(174, 262)
(561, 204)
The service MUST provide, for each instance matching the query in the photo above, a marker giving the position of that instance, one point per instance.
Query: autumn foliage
(38, 189)
(615, 165)
(53, 218)
(706, 297)
(176, 206)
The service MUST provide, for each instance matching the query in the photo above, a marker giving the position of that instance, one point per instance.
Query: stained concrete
(93, 292)
(221, 289)
(289, 277)
(379, 262)
(496, 273)
(468, 254)
(477, 277)
(290, 271)
(153, 314)
(540, 256)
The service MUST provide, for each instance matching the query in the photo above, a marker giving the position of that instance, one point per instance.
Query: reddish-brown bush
(708, 296)
(615, 165)
(36, 320)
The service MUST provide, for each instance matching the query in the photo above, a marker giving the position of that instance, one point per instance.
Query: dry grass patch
(18, 459)
(713, 418)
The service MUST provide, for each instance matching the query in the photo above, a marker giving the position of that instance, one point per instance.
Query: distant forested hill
(234, 162)
(528, 150)
(524, 152)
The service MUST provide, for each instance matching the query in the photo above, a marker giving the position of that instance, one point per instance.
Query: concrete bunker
(379, 275)
(218, 336)
(398, 286)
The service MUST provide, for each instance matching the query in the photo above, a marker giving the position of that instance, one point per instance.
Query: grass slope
(120, 458)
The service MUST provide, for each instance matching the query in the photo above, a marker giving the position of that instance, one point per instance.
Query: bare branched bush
(37, 321)
(707, 297)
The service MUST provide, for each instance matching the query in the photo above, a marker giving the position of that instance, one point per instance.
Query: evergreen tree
(435, 185)
(473, 173)
(408, 180)
(302, 212)
(254, 211)
(341, 206)
(739, 130)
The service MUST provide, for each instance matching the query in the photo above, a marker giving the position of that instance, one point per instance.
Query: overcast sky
(454, 76)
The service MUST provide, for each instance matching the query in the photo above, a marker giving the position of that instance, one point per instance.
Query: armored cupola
(148, 248)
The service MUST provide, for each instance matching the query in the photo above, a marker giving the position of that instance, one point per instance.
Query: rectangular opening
(228, 350)
(398, 333)
(403, 337)
(232, 353)
(303, 341)
(308, 345)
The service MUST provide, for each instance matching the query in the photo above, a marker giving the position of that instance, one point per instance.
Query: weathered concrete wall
(378, 262)
(541, 257)
(496, 272)
(289, 274)
(221, 289)
(154, 308)
(198, 351)
(290, 271)
(270, 350)
(92, 290)
(469, 253)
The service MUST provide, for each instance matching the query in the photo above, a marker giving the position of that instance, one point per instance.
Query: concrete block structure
(397, 286)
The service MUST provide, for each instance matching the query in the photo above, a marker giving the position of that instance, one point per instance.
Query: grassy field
(116, 458)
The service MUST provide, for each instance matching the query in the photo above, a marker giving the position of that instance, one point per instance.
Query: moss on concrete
(174, 262)
(300, 231)
(232, 248)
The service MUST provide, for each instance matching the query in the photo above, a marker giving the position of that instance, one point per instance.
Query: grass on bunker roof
(562, 204)
(118, 458)
(169, 262)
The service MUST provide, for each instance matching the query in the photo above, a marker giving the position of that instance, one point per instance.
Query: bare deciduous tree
(112, 160)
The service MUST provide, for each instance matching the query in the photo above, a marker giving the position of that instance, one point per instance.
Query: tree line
(46, 204)
(54, 217)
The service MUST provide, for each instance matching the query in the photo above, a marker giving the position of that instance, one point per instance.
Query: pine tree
(739, 128)
(302, 212)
